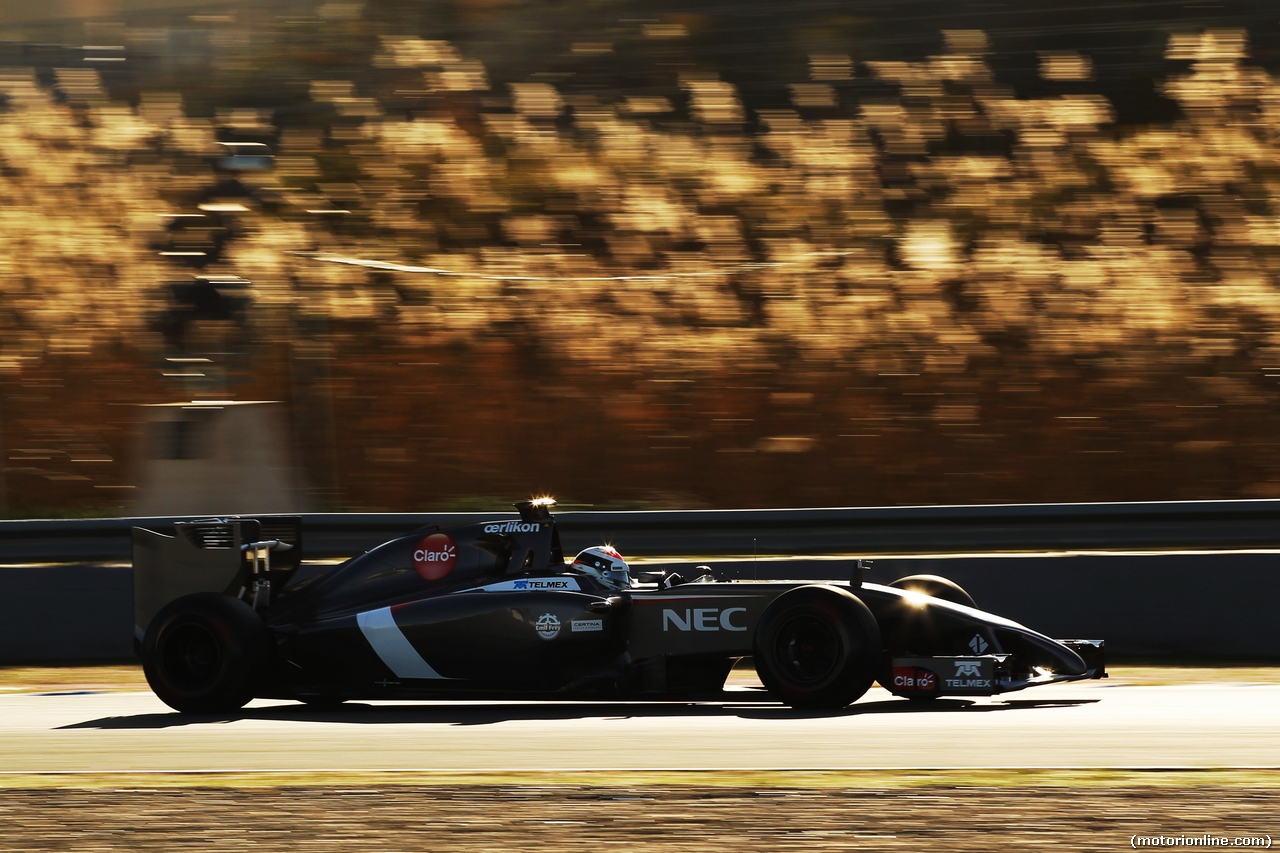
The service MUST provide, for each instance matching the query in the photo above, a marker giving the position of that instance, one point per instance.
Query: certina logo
(579, 625)
(542, 585)
(704, 619)
(968, 667)
(513, 527)
(978, 645)
(548, 626)
(435, 556)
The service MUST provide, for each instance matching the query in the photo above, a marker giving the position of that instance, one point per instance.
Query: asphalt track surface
(1095, 724)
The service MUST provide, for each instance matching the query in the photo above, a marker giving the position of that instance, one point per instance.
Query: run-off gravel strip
(541, 818)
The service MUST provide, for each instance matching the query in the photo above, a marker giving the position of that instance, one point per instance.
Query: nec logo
(968, 668)
(703, 619)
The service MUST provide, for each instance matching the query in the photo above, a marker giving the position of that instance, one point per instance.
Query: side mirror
(605, 605)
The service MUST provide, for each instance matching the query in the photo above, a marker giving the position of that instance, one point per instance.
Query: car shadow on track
(481, 714)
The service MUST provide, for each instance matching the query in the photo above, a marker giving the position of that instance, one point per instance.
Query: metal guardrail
(870, 532)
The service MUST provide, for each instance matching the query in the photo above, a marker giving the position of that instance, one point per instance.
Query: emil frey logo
(435, 556)
(978, 645)
(703, 619)
(548, 626)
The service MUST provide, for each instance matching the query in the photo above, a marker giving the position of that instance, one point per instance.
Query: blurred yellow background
(645, 257)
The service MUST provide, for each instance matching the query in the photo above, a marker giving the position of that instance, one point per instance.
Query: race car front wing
(986, 675)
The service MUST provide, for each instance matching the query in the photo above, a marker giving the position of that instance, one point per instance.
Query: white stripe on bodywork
(380, 629)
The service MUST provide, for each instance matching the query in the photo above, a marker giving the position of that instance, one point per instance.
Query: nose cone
(1030, 647)
(1038, 650)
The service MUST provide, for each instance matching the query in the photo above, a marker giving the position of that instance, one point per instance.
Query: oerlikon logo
(435, 556)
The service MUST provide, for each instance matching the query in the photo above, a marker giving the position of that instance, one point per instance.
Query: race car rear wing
(245, 557)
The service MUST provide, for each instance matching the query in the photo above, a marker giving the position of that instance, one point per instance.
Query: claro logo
(704, 619)
(914, 678)
(435, 556)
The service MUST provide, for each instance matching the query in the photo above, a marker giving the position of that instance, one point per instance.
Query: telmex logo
(513, 527)
(541, 585)
(435, 556)
(703, 619)
(969, 667)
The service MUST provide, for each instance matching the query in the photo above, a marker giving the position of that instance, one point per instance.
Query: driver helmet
(604, 564)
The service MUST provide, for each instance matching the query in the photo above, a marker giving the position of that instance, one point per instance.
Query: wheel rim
(192, 656)
(807, 649)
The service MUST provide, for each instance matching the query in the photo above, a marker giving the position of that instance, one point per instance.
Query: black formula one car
(493, 610)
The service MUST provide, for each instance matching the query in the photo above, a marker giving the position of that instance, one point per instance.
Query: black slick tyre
(929, 642)
(937, 587)
(205, 653)
(817, 647)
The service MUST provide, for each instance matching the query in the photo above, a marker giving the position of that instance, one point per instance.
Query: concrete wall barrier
(1192, 607)
(1210, 607)
(51, 614)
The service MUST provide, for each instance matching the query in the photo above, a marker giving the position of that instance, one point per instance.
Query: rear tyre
(937, 587)
(817, 647)
(206, 653)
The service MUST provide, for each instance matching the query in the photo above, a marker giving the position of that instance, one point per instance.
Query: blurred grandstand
(650, 254)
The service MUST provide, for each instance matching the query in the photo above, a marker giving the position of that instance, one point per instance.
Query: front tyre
(936, 587)
(817, 647)
(926, 639)
(205, 653)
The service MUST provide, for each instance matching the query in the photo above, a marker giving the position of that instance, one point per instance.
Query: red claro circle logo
(435, 556)
(910, 678)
